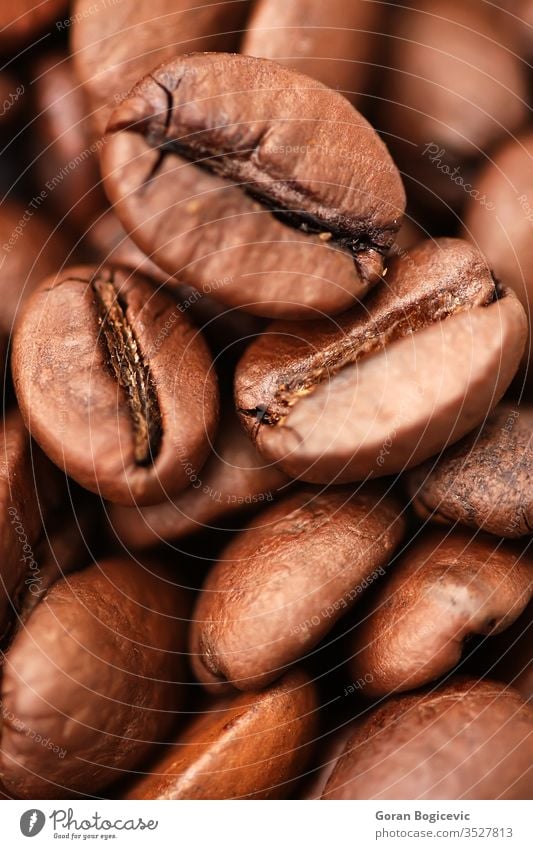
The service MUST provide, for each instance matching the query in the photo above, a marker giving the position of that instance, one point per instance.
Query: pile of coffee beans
(266, 466)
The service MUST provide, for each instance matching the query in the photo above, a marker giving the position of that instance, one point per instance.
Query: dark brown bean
(448, 587)
(97, 672)
(486, 480)
(210, 150)
(114, 384)
(470, 740)
(252, 745)
(393, 381)
(273, 595)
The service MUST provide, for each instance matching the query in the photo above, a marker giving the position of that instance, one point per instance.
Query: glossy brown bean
(252, 745)
(200, 173)
(448, 587)
(273, 595)
(390, 383)
(115, 384)
(469, 740)
(98, 673)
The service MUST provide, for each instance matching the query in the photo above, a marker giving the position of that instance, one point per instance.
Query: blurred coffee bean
(29, 250)
(97, 672)
(391, 382)
(251, 745)
(200, 173)
(234, 480)
(281, 585)
(333, 42)
(484, 481)
(114, 384)
(22, 21)
(24, 509)
(114, 47)
(455, 88)
(448, 587)
(66, 154)
(468, 740)
(502, 225)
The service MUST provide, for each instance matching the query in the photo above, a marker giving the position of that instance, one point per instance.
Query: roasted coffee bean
(455, 87)
(391, 382)
(66, 154)
(501, 225)
(448, 587)
(29, 250)
(240, 175)
(114, 48)
(98, 673)
(331, 42)
(234, 479)
(469, 740)
(223, 328)
(279, 587)
(23, 510)
(486, 480)
(252, 745)
(115, 384)
(21, 21)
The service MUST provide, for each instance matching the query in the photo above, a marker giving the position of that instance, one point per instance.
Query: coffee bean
(251, 745)
(29, 250)
(114, 47)
(454, 87)
(24, 510)
(65, 152)
(279, 587)
(234, 480)
(209, 153)
(115, 384)
(330, 42)
(499, 217)
(448, 587)
(391, 382)
(22, 20)
(486, 480)
(469, 740)
(98, 673)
